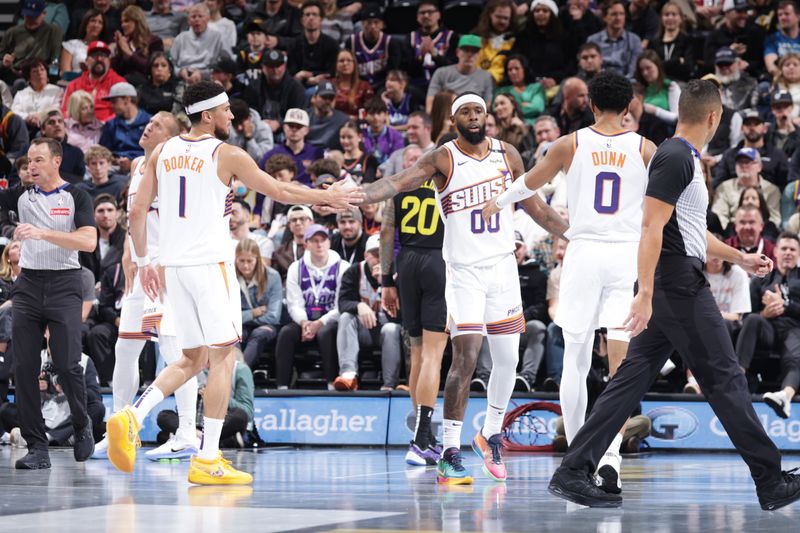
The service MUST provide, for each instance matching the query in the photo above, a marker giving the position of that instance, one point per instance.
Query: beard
(98, 69)
(726, 80)
(221, 134)
(470, 137)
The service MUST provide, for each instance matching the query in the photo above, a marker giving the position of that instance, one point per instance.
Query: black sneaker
(579, 487)
(550, 385)
(478, 384)
(83, 448)
(781, 493)
(36, 459)
(522, 384)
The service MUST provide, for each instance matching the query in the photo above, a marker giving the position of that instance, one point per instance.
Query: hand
(43, 385)
(33, 120)
(376, 271)
(772, 296)
(122, 43)
(548, 83)
(709, 160)
(259, 311)
(739, 48)
(195, 77)
(310, 329)
(576, 12)
(650, 108)
(390, 301)
(773, 310)
(130, 269)
(151, 282)
(28, 231)
(8, 60)
(303, 75)
(490, 209)
(342, 195)
(757, 264)
(247, 128)
(641, 311)
(124, 165)
(366, 315)
(324, 210)
(426, 45)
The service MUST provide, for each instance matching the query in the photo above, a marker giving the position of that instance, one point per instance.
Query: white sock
(125, 380)
(452, 434)
(186, 395)
(616, 444)
(151, 397)
(505, 355)
(348, 375)
(209, 445)
(573, 395)
(691, 380)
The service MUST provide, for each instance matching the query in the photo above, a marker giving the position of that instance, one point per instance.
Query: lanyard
(294, 250)
(344, 252)
(316, 289)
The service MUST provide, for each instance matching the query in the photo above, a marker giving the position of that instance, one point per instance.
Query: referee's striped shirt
(64, 209)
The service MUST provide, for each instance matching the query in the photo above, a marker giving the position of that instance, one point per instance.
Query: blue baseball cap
(32, 8)
(315, 229)
(750, 153)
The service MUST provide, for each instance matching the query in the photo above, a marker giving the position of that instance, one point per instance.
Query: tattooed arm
(410, 178)
(389, 298)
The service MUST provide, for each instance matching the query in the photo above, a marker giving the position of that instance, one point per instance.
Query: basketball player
(482, 290)
(133, 331)
(191, 176)
(421, 279)
(606, 179)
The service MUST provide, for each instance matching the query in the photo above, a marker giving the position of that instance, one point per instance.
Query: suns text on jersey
(479, 193)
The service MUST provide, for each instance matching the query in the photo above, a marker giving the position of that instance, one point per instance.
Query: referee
(685, 318)
(56, 222)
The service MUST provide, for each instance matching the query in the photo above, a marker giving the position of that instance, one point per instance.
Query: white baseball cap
(296, 116)
(373, 242)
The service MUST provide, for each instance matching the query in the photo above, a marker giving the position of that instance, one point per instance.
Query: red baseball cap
(98, 46)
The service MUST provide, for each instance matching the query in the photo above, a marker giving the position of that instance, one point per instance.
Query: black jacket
(751, 35)
(533, 284)
(349, 296)
(112, 287)
(92, 260)
(550, 56)
(352, 255)
(681, 63)
(162, 98)
(73, 166)
(790, 288)
(13, 134)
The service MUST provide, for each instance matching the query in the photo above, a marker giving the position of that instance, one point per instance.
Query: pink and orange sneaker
(489, 450)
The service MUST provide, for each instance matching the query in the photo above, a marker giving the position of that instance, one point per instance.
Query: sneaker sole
(774, 506)
(582, 500)
(610, 479)
(182, 455)
(35, 466)
(486, 471)
(117, 432)
(454, 480)
(413, 459)
(776, 407)
(207, 480)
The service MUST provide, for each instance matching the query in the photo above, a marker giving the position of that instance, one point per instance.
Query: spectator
(544, 132)
(380, 140)
(463, 76)
(554, 351)
(14, 136)
(748, 174)
(362, 167)
(529, 96)
(298, 219)
(400, 102)
(575, 112)
(432, 46)
(73, 167)
(135, 44)
(38, 95)
(162, 91)
(99, 160)
(774, 323)
(111, 19)
(295, 128)
(590, 62)
(440, 115)
(419, 131)
(619, 47)
(786, 39)
(196, 49)
(729, 131)
(97, 80)
(250, 57)
(276, 91)
(240, 230)
(282, 168)
(103, 333)
(375, 51)
(364, 324)
(73, 52)
(775, 165)
(166, 23)
(247, 130)
(497, 37)
(224, 26)
(281, 21)
(82, 127)
(783, 134)
(121, 134)
(742, 36)
(312, 58)
(647, 124)
(262, 299)
(509, 119)
(325, 121)
(672, 44)
(660, 94)
(580, 21)
(788, 78)
(312, 296)
(350, 240)
(338, 23)
(739, 89)
(749, 226)
(643, 20)
(34, 38)
(351, 90)
(110, 237)
(549, 49)
(752, 196)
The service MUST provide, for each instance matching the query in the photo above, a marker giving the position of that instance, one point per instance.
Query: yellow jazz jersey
(606, 184)
(468, 239)
(152, 213)
(194, 205)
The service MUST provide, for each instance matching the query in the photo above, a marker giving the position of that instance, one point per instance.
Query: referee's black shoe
(83, 448)
(578, 486)
(36, 459)
(782, 493)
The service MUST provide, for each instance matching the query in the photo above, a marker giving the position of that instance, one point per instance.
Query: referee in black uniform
(675, 311)
(56, 222)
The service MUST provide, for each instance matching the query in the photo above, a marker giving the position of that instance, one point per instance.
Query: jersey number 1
(606, 193)
(182, 196)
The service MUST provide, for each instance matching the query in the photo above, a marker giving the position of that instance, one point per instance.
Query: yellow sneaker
(216, 472)
(122, 432)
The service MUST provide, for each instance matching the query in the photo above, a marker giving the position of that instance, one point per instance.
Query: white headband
(204, 105)
(467, 99)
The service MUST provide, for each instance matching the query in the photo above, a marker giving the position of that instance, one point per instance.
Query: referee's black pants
(52, 299)
(685, 319)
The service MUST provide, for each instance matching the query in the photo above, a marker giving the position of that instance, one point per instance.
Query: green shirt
(658, 97)
(531, 100)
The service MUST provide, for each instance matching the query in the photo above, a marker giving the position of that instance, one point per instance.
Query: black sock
(422, 434)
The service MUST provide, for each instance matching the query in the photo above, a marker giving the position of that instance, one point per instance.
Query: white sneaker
(16, 439)
(607, 477)
(779, 403)
(101, 449)
(175, 448)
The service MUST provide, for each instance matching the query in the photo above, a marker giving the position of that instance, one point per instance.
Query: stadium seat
(461, 16)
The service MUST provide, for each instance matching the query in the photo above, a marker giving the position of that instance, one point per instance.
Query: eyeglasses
(426, 12)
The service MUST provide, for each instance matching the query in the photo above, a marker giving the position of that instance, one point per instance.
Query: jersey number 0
(606, 193)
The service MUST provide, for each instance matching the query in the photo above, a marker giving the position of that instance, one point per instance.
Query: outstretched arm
(409, 179)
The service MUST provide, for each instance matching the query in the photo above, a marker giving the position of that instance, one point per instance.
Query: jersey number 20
(425, 212)
(606, 193)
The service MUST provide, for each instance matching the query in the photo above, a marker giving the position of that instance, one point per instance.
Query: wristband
(516, 193)
(142, 261)
(387, 281)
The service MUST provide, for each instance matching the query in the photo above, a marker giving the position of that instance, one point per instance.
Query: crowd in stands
(327, 90)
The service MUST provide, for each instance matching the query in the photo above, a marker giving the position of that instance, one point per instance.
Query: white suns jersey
(152, 212)
(468, 239)
(194, 205)
(606, 184)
